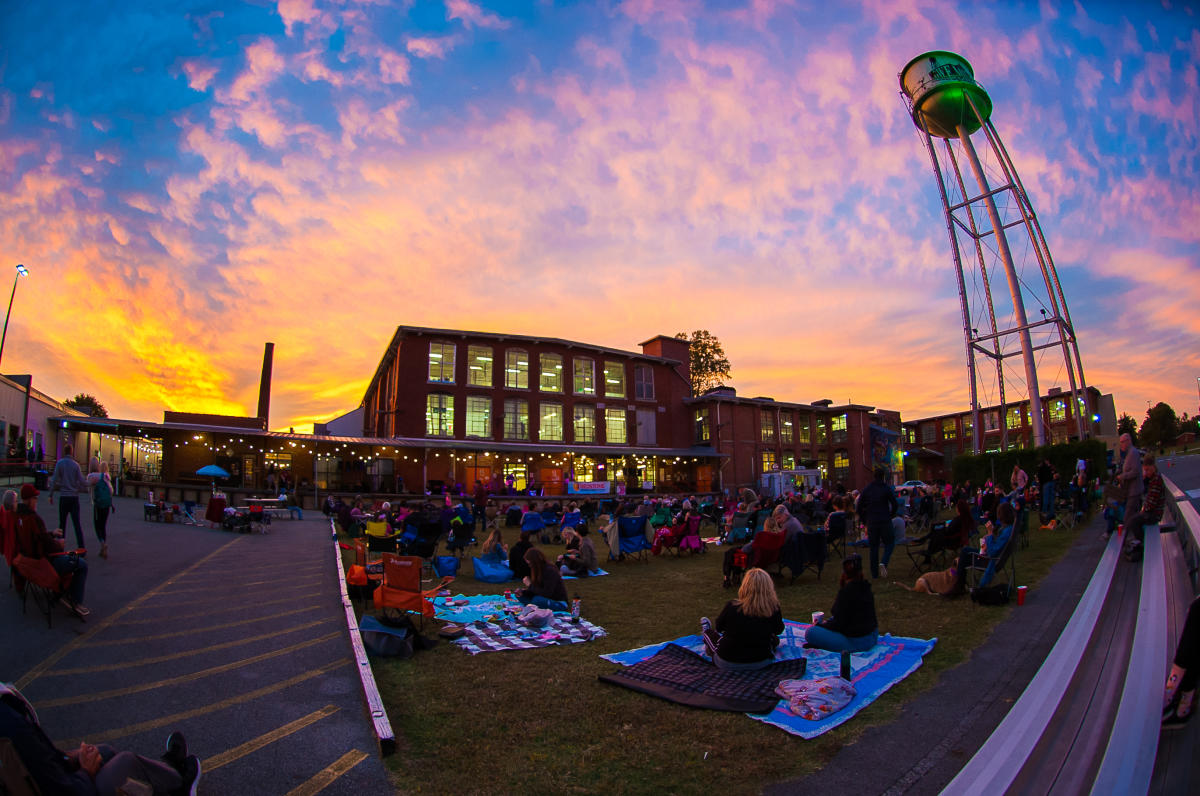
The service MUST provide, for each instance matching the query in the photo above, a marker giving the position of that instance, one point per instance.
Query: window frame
(587, 413)
(766, 425)
(702, 431)
(512, 416)
(543, 371)
(787, 430)
(542, 407)
(617, 367)
(484, 354)
(447, 408)
(576, 362)
(442, 346)
(643, 382)
(513, 369)
(611, 416)
(477, 399)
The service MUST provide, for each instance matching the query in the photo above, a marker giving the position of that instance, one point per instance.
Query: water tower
(981, 217)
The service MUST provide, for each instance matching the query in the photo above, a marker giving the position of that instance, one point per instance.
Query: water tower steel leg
(962, 294)
(1014, 288)
(987, 289)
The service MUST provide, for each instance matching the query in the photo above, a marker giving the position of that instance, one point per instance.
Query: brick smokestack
(264, 386)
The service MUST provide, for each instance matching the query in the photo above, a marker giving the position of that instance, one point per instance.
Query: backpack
(991, 595)
(102, 497)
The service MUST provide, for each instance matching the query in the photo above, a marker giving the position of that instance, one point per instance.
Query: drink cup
(1021, 594)
(817, 617)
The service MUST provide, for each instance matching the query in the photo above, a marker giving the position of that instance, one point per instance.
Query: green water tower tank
(937, 85)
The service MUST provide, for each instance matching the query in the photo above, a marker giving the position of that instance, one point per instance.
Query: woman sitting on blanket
(581, 561)
(544, 585)
(493, 546)
(747, 629)
(851, 624)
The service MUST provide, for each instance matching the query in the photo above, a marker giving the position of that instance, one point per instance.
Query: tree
(88, 405)
(1160, 427)
(1127, 425)
(709, 367)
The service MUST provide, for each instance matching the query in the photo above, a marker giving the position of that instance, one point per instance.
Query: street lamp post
(21, 271)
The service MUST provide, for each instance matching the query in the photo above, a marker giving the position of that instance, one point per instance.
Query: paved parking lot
(237, 640)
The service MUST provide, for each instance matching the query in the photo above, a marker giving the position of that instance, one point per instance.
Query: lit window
(585, 377)
(479, 416)
(519, 474)
(439, 415)
(767, 424)
(1058, 410)
(614, 426)
(479, 366)
(516, 419)
(805, 429)
(614, 379)
(949, 428)
(789, 461)
(991, 421)
(968, 426)
(703, 432)
(839, 428)
(585, 423)
(768, 461)
(441, 363)
(516, 369)
(643, 382)
(822, 430)
(551, 427)
(550, 375)
(841, 466)
(786, 428)
(1014, 416)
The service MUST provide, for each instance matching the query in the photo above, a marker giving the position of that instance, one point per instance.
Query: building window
(968, 427)
(439, 415)
(1058, 410)
(614, 379)
(1014, 417)
(766, 422)
(789, 461)
(479, 366)
(585, 423)
(519, 474)
(769, 462)
(841, 466)
(822, 430)
(805, 429)
(550, 375)
(516, 369)
(928, 432)
(479, 416)
(585, 469)
(703, 431)
(949, 428)
(839, 429)
(550, 429)
(441, 363)
(786, 428)
(614, 426)
(516, 419)
(585, 377)
(991, 421)
(643, 382)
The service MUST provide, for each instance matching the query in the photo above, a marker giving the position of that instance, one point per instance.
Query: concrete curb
(375, 709)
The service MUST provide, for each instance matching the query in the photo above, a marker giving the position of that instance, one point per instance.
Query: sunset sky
(187, 181)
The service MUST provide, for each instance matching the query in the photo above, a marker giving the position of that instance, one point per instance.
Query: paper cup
(1021, 594)
(817, 617)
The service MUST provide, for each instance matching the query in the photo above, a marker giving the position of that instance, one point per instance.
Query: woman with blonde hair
(493, 546)
(101, 487)
(747, 630)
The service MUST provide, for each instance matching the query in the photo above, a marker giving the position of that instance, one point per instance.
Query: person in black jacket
(544, 585)
(516, 556)
(876, 507)
(851, 624)
(747, 629)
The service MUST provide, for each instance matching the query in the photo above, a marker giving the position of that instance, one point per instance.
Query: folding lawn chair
(690, 540)
(835, 536)
(982, 569)
(189, 513)
(379, 537)
(740, 528)
(400, 589)
(37, 578)
(631, 532)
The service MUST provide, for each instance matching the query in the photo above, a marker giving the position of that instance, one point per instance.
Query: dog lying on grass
(933, 582)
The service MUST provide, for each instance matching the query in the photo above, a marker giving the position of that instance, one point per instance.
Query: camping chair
(364, 574)
(809, 549)
(739, 528)
(835, 536)
(935, 547)
(690, 540)
(461, 536)
(37, 578)
(400, 589)
(8, 542)
(766, 548)
(572, 519)
(760, 519)
(259, 517)
(661, 516)
(379, 537)
(189, 513)
(631, 532)
(1006, 561)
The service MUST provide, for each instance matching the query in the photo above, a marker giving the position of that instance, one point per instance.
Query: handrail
(1011, 743)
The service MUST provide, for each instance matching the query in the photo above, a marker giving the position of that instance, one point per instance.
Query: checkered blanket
(512, 635)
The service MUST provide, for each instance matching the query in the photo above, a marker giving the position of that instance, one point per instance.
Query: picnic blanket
(680, 675)
(511, 635)
(475, 609)
(595, 574)
(874, 672)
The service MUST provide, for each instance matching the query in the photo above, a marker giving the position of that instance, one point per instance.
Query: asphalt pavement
(237, 640)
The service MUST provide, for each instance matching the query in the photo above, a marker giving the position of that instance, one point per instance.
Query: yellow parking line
(281, 566)
(109, 667)
(329, 775)
(237, 752)
(105, 736)
(177, 633)
(96, 696)
(79, 641)
(173, 617)
(225, 588)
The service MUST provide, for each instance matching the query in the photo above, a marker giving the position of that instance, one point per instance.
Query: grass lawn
(539, 720)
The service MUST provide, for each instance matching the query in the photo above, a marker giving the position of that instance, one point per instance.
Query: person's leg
(124, 766)
(862, 643)
(62, 516)
(1185, 667)
(889, 544)
(1133, 504)
(546, 602)
(873, 545)
(825, 639)
(64, 564)
(710, 637)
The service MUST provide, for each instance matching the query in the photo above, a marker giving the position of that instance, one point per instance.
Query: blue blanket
(874, 672)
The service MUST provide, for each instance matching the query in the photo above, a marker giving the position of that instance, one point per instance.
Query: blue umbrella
(214, 472)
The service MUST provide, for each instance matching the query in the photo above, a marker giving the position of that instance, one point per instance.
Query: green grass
(539, 720)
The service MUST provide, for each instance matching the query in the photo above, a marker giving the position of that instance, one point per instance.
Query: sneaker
(191, 775)
(883, 570)
(1175, 721)
(80, 610)
(104, 550)
(705, 624)
(176, 753)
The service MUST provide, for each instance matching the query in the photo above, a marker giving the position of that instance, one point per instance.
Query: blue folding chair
(631, 532)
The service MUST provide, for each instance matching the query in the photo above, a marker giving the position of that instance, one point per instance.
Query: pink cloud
(430, 47)
(472, 16)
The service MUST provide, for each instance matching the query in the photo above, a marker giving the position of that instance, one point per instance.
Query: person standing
(481, 500)
(68, 479)
(102, 500)
(1045, 476)
(876, 506)
(1130, 476)
(1019, 479)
